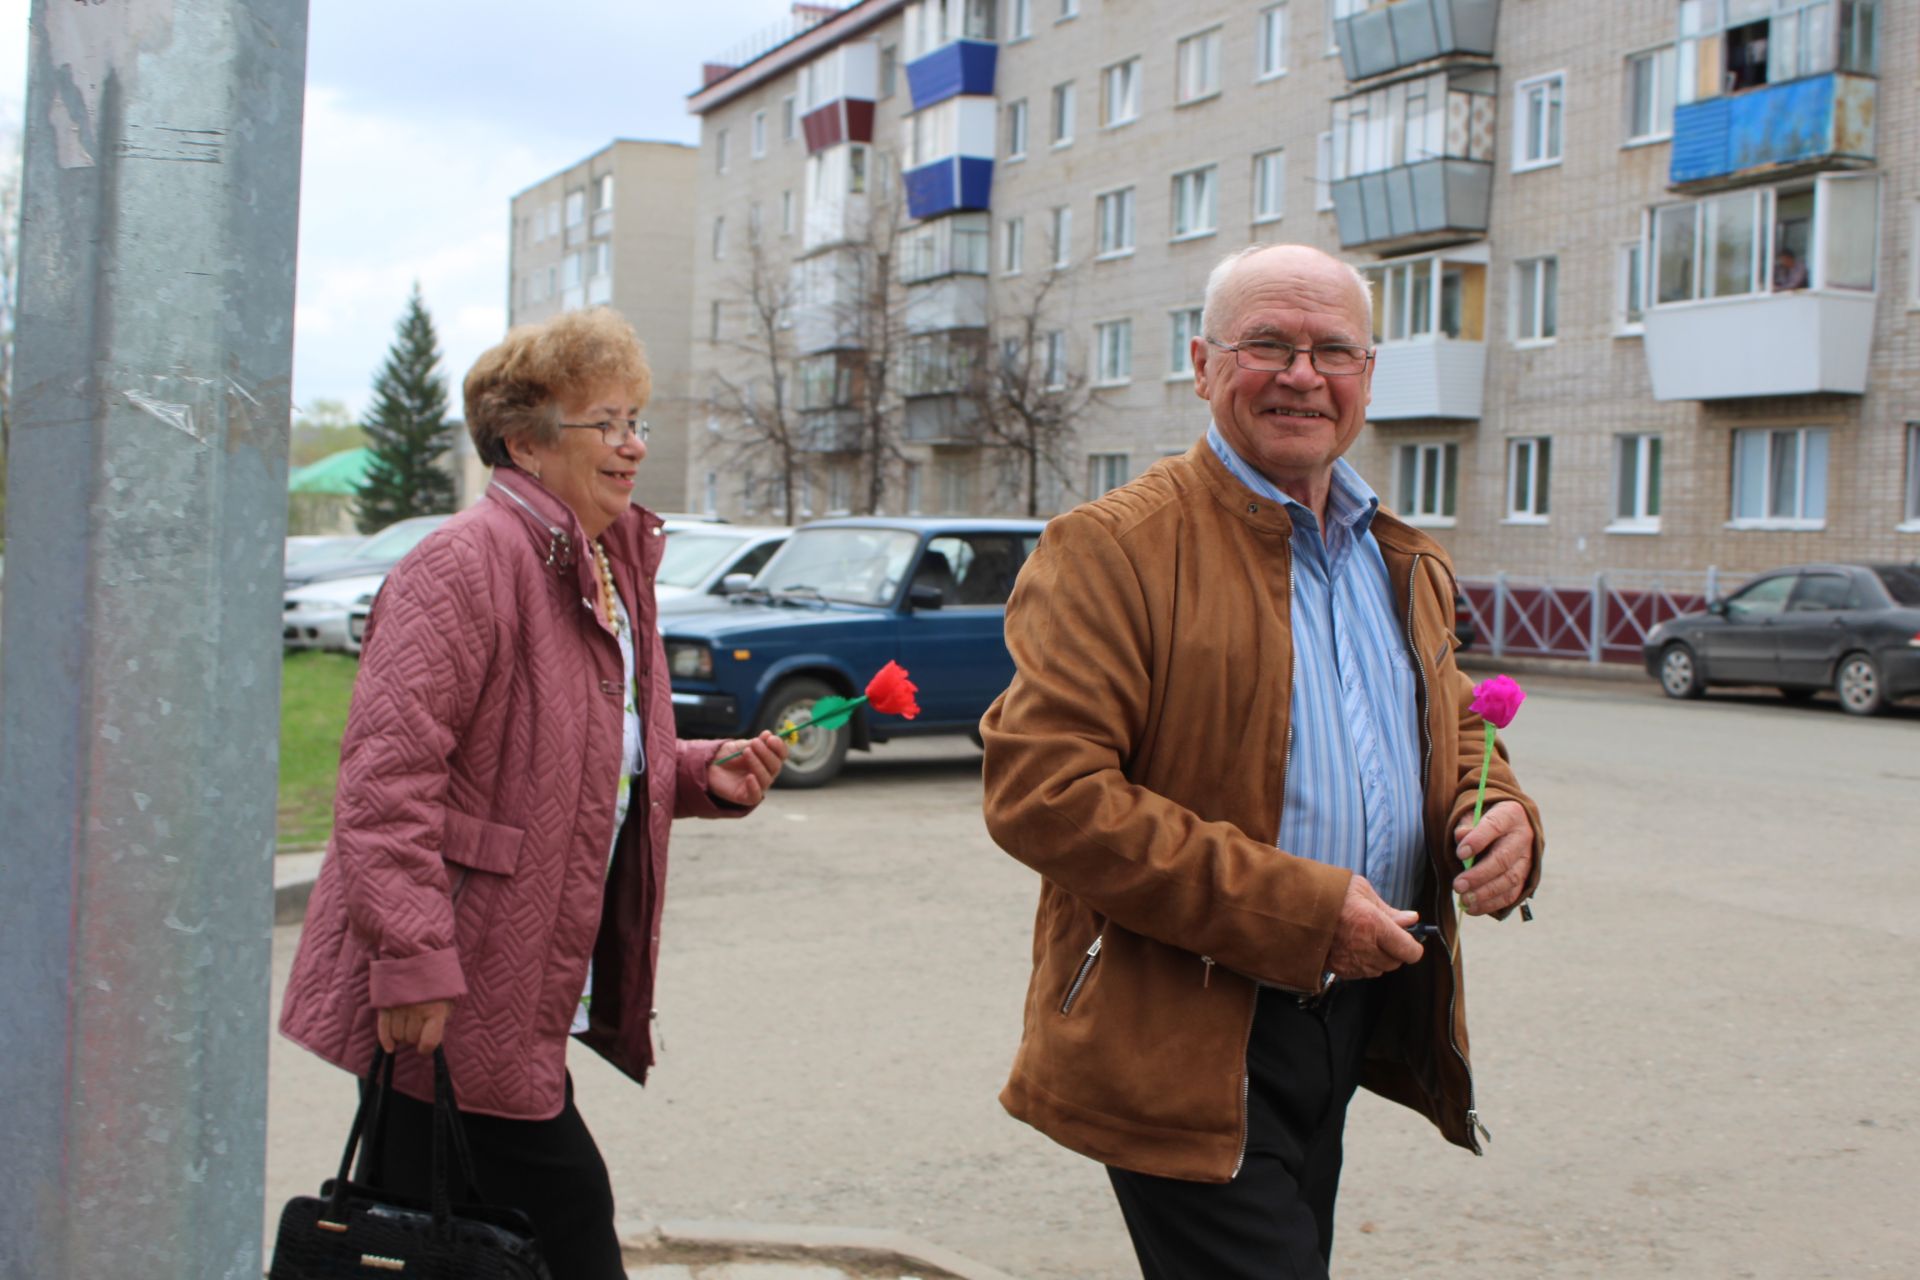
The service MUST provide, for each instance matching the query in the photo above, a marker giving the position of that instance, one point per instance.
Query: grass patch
(314, 691)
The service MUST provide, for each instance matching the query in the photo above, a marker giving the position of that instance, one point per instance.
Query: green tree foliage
(407, 429)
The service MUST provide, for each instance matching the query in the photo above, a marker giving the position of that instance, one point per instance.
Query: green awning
(338, 473)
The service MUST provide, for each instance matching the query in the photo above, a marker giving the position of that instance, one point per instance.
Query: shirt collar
(1351, 502)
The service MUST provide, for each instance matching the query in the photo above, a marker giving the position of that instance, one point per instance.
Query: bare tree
(753, 398)
(1034, 402)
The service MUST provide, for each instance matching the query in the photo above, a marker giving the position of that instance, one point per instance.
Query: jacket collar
(556, 534)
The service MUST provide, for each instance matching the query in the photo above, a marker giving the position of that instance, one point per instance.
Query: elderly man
(1239, 753)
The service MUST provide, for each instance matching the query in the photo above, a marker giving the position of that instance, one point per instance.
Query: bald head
(1237, 274)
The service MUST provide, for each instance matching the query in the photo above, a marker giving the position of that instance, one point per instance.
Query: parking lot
(1699, 1060)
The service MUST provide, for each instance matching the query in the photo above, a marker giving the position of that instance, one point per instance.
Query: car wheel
(1857, 681)
(1796, 693)
(816, 755)
(1680, 672)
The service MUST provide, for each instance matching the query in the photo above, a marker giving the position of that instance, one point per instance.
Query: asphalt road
(1699, 1060)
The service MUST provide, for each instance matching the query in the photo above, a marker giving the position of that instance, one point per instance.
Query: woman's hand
(745, 779)
(421, 1025)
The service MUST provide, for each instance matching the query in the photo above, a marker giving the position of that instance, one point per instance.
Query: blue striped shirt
(1353, 767)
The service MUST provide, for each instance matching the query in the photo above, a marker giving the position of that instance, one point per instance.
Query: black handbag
(355, 1229)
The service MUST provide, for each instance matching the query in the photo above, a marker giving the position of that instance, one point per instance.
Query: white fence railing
(1604, 618)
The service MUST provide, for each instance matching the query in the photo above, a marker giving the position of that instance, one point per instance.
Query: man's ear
(1197, 353)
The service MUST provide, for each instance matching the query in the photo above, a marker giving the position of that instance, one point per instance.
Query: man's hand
(422, 1025)
(745, 779)
(1502, 847)
(1371, 938)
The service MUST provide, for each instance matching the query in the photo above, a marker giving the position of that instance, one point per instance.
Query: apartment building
(1645, 272)
(614, 230)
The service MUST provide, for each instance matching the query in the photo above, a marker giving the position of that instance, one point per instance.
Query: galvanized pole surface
(140, 648)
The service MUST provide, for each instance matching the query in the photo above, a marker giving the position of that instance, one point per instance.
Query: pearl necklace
(607, 596)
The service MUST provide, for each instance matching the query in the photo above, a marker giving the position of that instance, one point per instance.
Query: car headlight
(690, 661)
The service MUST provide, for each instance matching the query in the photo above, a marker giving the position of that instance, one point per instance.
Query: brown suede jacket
(1137, 763)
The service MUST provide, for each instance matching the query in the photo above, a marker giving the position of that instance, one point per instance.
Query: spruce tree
(407, 429)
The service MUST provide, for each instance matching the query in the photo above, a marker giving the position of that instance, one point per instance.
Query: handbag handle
(371, 1109)
(369, 1126)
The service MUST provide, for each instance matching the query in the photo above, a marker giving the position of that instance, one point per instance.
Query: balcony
(1400, 33)
(1816, 122)
(952, 302)
(943, 419)
(1413, 206)
(830, 431)
(963, 67)
(1441, 378)
(949, 185)
(843, 120)
(1766, 344)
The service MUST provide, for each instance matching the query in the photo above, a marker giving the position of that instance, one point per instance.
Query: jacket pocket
(1080, 976)
(478, 845)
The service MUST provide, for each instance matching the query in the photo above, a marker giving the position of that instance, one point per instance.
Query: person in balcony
(1240, 755)
(507, 783)
(1788, 271)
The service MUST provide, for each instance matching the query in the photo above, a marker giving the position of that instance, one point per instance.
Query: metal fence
(1604, 618)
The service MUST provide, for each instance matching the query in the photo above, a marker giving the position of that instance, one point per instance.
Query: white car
(316, 615)
(701, 556)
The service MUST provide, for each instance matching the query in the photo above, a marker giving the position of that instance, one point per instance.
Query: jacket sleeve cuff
(691, 799)
(431, 975)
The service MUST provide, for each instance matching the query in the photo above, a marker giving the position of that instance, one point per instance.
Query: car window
(1823, 591)
(859, 566)
(972, 568)
(1761, 599)
(1901, 582)
(396, 540)
(689, 557)
(756, 559)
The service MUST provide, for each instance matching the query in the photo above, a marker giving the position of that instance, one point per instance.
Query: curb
(1571, 668)
(865, 1248)
(290, 901)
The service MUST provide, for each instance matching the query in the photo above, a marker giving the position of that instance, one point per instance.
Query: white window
(1636, 484)
(576, 208)
(1912, 523)
(720, 151)
(1113, 352)
(1013, 246)
(1183, 326)
(1106, 472)
(1019, 19)
(1763, 239)
(1539, 108)
(600, 259)
(1115, 212)
(1529, 476)
(1017, 130)
(1269, 185)
(1631, 313)
(720, 237)
(1536, 304)
(1780, 478)
(1196, 202)
(1650, 84)
(1426, 479)
(759, 134)
(789, 119)
(1323, 173)
(1120, 93)
(889, 70)
(714, 317)
(1197, 67)
(570, 271)
(1056, 359)
(1069, 9)
(786, 212)
(916, 487)
(1271, 55)
(839, 488)
(956, 484)
(1062, 114)
(553, 218)
(1062, 235)
(603, 193)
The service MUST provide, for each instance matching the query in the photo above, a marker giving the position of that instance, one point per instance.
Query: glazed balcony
(1413, 206)
(943, 419)
(1813, 123)
(1390, 34)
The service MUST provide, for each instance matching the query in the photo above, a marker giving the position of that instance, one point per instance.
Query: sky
(422, 121)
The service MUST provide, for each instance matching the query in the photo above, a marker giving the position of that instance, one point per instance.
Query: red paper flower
(891, 692)
(1497, 701)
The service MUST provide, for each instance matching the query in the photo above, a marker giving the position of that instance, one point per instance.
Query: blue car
(833, 606)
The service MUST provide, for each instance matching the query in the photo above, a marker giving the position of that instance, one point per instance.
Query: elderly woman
(507, 782)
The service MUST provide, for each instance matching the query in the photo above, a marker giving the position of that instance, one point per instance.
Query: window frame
(1278, 157)
(1013, 246)
(1911, 522)
(1529, 458)
(719, 237)
(1629, 103)
(1105, 375)
(1017, 126)
(720, 139)
(1206, 177)
(1100, 467)
(1182, 98)
(1069, 10)
(1061, 127)
(1126, 72)
(1541, 297)
(789, 118)
(1271, 29)
(1524, 161)
(1649, 457)
(1798, 521)
(1323, 171)
(1630, 277)
(1060, 230)
(1125, 195)
(1183, 326)
(1019, 20)
(758, 135)
(1447, 454)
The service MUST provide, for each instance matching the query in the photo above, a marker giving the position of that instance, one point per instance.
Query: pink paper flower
(1497, 701)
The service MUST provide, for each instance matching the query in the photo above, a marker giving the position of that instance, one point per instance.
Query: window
(1529, 473)
(916, 487)
(1743, 46)
(1650, 78)
(1013, 244)
(889, 70)
(1271, 49)
(1183, 326)
(839, 488)
(1120, 93)
(1017, 130)
(570, 271)
(1069, 9)
(1115, 211)
(1269, 185)
(1761, 599)
(1780, 478)
(956, 484)
(719, 237)
(1415, 300)
(1113, 352)
(713, 320)
(1106, 472)
(600, 259)
(1536, 299)
(1056, 369)
(1631, 314)
(857, 170)
(1536, 122)
(1019, 19)
(789, 119)
(1912, 523)
(759, 134)
(1768, 239)
(1062, 114)
(1196, 210)
(1636, 484)
(603, 193)
(576, 208)
(1197, 67)
(1426, 478)
(786, 212)
(1062, 235)
(720, 151)
(1323, 173)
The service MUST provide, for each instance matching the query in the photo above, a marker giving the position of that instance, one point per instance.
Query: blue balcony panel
(1414, 205)
(965, 66)
(1822, 121)
(949, 185)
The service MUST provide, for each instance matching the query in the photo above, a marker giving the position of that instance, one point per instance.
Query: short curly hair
(516, 388)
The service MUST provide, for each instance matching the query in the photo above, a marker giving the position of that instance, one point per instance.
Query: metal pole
(1499, 613)
(139, 669)
(1599, 637)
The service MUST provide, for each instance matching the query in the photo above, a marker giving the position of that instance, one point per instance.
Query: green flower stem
(1480, 798)
(832, 720)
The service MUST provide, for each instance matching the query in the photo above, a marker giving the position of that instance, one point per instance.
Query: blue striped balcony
(963, 67)
(1816, 122)
(948, 185)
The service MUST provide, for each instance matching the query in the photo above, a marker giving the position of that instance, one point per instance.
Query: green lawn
(314, 689)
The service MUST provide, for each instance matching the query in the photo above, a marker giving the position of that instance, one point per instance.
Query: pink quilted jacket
(475, 808)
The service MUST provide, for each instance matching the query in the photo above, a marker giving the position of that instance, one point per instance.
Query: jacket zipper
(1080, 978)
(1475, 1129)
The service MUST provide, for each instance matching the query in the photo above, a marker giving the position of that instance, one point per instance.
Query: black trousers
(1275, 1219)
(548, 1169)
